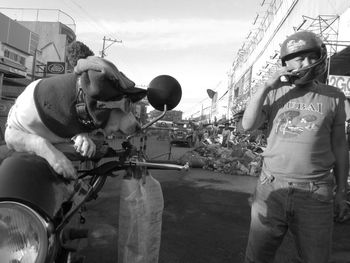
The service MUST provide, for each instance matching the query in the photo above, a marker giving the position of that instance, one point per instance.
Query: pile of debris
(236, 160)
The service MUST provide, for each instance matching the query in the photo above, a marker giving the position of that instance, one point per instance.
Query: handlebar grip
(102, 151)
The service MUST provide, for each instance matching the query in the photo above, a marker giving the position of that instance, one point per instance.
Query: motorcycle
(37, 205)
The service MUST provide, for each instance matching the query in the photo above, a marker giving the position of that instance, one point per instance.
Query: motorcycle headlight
(23, 234)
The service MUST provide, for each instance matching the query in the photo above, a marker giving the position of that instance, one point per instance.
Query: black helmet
(303, 42)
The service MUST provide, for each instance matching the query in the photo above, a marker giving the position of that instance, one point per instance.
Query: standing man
(226, 133)
(306, 155)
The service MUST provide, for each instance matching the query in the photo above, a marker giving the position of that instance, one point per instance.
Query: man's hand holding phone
(282, 76)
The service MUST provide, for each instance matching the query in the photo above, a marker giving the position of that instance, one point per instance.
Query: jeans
(305, 208)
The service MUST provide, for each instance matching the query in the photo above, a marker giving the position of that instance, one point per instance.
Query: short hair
(77, 50)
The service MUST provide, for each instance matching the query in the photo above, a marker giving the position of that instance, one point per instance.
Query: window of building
(14, 57)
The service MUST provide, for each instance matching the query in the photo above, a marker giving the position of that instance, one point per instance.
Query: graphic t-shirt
(299, 134)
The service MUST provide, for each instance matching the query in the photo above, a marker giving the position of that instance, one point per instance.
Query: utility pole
(104, 47)
(34, 64)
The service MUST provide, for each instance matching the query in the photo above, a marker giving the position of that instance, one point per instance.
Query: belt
(271, 178)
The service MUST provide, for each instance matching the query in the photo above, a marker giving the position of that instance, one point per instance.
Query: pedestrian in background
(306, 154)
(200, 132)
(226, 134)
(215, 130)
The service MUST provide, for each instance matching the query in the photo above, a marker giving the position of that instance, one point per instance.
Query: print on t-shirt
(298, 119)
(292, 123)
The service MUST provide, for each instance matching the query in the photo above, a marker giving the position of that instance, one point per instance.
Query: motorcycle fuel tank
(29, 179)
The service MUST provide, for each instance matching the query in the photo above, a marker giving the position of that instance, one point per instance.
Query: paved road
(205, 219)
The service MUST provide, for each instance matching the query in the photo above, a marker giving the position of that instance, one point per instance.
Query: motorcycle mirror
(164, 90)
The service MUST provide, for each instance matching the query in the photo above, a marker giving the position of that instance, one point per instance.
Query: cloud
(173, 34)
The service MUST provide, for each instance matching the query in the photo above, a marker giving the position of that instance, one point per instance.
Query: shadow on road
(203, 224)
(205, 220)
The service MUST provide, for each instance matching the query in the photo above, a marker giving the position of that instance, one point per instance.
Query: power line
(93, 23)
(98, 26)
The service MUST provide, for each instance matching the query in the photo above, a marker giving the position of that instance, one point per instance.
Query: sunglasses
(124, 104)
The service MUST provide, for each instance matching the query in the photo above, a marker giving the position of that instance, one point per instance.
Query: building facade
(27, 49)
(172, 115)
(258, 56)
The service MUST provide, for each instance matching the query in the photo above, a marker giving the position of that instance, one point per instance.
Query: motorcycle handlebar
(162, 166)
(108, 167)
(108, 152)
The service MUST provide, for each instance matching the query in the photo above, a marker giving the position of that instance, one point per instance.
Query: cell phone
(290, 78)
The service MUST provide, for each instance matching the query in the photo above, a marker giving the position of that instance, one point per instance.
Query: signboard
(56, 67)
(341, 82)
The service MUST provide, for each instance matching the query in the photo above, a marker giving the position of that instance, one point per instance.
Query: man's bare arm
(253, 116)
(341, 169)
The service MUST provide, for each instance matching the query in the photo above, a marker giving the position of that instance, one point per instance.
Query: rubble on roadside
(236, 160)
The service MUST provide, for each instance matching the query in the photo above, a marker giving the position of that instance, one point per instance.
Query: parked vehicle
(37, 206)
(182, 133)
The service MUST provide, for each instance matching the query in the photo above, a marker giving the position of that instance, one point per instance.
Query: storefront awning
(12, 87)
(22, 82)
(12, 72)
(340, 63)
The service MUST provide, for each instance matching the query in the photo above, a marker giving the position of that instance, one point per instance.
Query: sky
(195, 41)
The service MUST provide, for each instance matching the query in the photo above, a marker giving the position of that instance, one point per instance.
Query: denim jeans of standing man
(305, 208)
